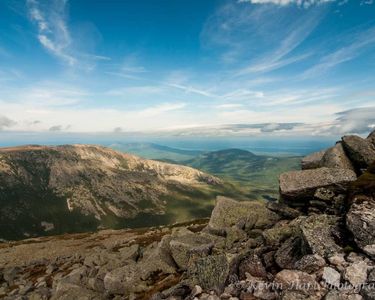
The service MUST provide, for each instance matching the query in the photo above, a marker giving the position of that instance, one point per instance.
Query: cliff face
(66, 187)
(316, 242)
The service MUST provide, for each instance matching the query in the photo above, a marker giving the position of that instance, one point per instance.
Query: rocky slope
(77, 188)
(316, 242)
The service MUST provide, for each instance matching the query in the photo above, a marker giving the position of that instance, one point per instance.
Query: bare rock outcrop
(360, 151)
(313, 160)
(335, 157)
(371, 138)
(298, 188)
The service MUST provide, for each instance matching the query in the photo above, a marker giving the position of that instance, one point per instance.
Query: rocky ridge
(316, 242)
(56, 189)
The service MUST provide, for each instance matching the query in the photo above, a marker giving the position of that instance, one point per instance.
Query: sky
(213, 67)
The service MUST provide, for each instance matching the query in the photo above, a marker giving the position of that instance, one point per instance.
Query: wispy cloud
(45, 95)
(136, 91)
(301, 3)
(54, 34)
(160, 109)
(252, 36)
(354, 48)
(190, 89)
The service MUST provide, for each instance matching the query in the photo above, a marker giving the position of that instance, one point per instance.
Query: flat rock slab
(246, 214)
(301, 185)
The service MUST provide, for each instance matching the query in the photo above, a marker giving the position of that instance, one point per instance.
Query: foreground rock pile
(317, 242)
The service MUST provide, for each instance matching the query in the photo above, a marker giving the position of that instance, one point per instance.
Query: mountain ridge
(317, 242)
(91, 183)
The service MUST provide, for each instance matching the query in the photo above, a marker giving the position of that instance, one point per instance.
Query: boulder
(234, 235)
(160, 256)
(310, 263)
(279, 233)
(313, 160)
(342, 295)
(252, 265)
(360, 151)
(289, 253)
(187, 246)
(283, 210)
(303, 295)
(356, 273)
(210, 272)
(292, 279)
(320, 233)
(361, 222)
(337, 259)
(131, 252)
(247, 214)
(371, 138)
(331, 277)
(336, 157)
(298, 187)
(124, 280)
(368, 293)
(68, 291)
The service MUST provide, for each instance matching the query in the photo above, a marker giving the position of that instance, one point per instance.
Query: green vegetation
(255, 176)
(250, 176)
(155, 151)
(28, 203)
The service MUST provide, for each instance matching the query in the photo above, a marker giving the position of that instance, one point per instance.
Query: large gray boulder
(68, 291)
(211, 272)
(360, 151)
(313, 160)
(361, 222)
(320, 233)
(335, 157)
(125, 280)
(300, 186)
(185, 247)
(159, 255)
(249, 215)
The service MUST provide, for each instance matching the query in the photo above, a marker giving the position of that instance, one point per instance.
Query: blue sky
(192, 67)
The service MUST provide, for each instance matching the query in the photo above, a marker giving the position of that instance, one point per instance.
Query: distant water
(267, 145)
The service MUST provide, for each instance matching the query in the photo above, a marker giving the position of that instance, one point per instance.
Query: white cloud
(301, 3)
(257, 41)
(54, 34)
(160, 109)
(229, 106)
(190, 89)
(358, 121)
(42, 96)
(136, 91)
(352, 50)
